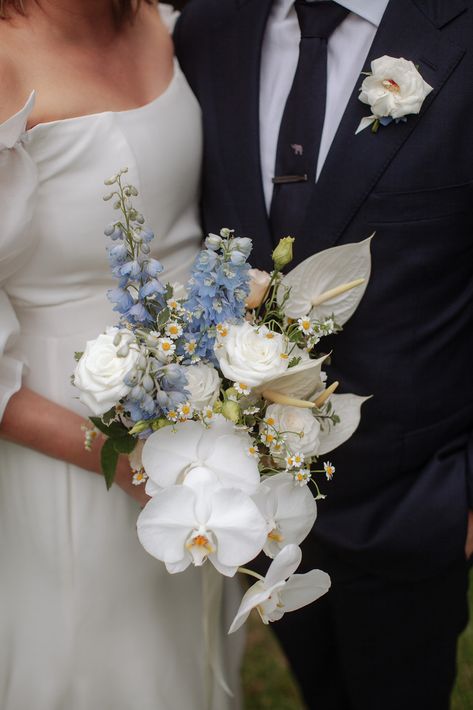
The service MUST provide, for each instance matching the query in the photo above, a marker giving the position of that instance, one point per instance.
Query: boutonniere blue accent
(394, 89)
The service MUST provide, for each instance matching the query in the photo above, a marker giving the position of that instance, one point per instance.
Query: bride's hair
(124, 9)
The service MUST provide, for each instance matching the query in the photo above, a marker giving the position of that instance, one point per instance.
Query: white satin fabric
(88, 621)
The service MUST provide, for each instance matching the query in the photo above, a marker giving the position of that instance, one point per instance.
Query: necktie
(303, 118)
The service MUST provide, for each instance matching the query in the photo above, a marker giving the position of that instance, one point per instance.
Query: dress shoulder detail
(168, 15)
(13, 128)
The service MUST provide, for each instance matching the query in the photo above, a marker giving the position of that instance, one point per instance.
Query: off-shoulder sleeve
(18, 182)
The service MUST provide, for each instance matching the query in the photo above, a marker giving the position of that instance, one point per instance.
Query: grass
(268, 684)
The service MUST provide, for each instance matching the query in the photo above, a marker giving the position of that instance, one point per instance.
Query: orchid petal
(302, 589)
(238, 525)
(165, 522)
(256, 595)
(323, 272)
(296, 511)
(283, 565)
(235, 469)
(168, 452)
(348, 408)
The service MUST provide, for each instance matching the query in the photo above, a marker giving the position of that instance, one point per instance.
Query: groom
(393, 528)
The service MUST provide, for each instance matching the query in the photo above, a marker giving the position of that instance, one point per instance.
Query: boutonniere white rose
(394, 89)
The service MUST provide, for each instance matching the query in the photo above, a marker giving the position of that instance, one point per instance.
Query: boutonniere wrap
(393, 90)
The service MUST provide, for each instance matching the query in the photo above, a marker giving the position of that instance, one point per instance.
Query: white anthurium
(200, 520)
(290, 511)
(323, 272)
(348, 408)
(300, 381)
(298, 428)
(282, 590)
(171, 453)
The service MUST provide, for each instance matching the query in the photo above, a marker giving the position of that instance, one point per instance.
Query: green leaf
(124, 444)
(78, 355)
(163, 317)
(109, 460)
(295, 361)
(108, 416)
(113, 430)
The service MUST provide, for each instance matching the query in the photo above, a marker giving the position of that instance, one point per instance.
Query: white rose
(100, 373)
(251, 355)
(203, 385)
(299, 428)
(395, 88)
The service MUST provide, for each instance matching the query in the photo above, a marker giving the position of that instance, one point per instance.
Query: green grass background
(268, 684)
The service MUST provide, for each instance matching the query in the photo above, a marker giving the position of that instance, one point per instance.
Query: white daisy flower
(185, 411)
(173, 329)
(166, 347)
(302, 476)
(253, 452)
(329, 470)
(139, 477)
(242, 388)
(305, 325)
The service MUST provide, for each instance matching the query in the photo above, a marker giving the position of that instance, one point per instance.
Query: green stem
(250, 573)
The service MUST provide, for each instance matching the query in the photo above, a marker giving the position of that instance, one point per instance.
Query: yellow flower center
(275, 535)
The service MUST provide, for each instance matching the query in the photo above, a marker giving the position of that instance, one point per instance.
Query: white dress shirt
(347, 50)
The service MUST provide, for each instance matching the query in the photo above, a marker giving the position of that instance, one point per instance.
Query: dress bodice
(53, 264)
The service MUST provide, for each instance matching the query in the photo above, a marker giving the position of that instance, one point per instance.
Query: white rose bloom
(203, 385)
(300, 429)
(100, 373)
(395, 88)
(251, 355)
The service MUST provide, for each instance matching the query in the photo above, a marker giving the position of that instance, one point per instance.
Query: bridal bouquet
(217, 393)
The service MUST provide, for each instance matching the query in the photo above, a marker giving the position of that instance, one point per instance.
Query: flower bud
(259, 282)
(282, 255)
(213, 242)
(231, 411)
(139, 427)
(231, 394)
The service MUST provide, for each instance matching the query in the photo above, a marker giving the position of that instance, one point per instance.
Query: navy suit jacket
(398, 504)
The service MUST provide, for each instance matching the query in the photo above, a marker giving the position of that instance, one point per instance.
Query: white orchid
(200, 520)
(321, 275)
(171, 453)
(289, 509)
(282, 590)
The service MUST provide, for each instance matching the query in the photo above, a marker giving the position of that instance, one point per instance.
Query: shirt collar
(370, 10)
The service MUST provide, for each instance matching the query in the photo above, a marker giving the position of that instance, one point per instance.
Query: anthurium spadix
(200, 520)
(282, 590)
(320, 277)
(171, 453)
(348, 408)
(289, 509)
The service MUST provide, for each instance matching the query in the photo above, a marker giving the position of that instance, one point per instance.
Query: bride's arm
(34, 421)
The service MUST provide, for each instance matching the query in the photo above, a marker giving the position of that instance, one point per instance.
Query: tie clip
(284, 179)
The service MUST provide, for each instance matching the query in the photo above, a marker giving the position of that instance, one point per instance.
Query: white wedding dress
(89, 621)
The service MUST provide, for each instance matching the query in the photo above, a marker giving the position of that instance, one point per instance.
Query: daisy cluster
(216, 392)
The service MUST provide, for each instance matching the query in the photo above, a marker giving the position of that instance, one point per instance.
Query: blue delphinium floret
(217, 289)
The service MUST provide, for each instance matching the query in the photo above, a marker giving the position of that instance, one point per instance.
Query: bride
(87, 620)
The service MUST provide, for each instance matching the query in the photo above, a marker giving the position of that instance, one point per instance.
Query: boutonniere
(393, 90)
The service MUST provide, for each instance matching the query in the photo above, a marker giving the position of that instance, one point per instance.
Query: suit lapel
(355, 163)
(236, 87)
